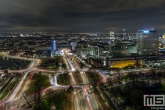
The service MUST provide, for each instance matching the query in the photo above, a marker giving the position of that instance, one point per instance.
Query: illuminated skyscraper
(73, 44)
(112, 35)
(147, 42)
(54, 48)
(125, 34)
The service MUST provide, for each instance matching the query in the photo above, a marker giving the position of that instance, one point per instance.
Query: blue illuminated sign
(146, 31)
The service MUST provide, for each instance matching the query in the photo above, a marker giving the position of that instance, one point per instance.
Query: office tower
(125, 34)
(54, 48)
(147, 42)
(112, 35)
(73, 44)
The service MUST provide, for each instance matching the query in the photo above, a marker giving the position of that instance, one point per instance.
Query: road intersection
(83, 101)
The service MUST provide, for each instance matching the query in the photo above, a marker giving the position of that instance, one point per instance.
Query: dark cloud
(81, 15)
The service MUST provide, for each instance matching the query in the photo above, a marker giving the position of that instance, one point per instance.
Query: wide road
(93, 102)
(80, 101)
(90, 99)
(79, 98)
(20, 83)
(34, 62)
(32, 67)
(68, 65)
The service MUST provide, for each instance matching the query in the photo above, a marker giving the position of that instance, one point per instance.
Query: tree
(136, 98)
(81, 65)
(63, 66)
(56, 64)
(110, 82)
(133, 79)
(70, 89)
(159, 75)
(129, 75)
(153, 75)
(6, 71)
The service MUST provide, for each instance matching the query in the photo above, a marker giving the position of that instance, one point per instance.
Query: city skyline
(44, 71)
(82, 16)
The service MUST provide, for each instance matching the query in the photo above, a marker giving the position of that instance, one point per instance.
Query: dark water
(13, 64)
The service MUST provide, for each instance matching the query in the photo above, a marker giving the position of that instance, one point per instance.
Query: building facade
(54, 48)
(112, 35)
(147, 42)
(73, 46)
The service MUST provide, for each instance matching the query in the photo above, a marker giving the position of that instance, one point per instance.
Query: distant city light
(95, 34)
(146, 31)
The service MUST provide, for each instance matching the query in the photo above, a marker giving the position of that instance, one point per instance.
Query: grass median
(92, 76)
(77, 77)
(51, 63)
(23, 84)
(43, 81)
(59, 101)
(63, 79)
(9, 87)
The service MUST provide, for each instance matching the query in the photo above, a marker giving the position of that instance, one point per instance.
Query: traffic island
(42, 80)
(63, 79)
(51, 63)
(77, 77)
(9, 86)
(56, 101)
(92, 76)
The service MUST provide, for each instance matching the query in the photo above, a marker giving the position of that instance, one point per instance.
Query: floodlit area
(126, 63)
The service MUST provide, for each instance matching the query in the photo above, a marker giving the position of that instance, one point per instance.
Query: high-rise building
(54, 47)
(125, 34)
(73, 44)
(112, 35)
(147, 42)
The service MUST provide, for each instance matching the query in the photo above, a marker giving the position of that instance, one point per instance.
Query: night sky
(82, 15)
